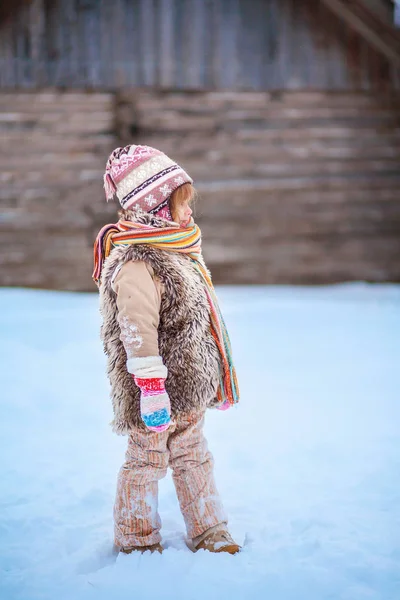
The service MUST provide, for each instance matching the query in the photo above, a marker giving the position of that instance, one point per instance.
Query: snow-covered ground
(308, 465)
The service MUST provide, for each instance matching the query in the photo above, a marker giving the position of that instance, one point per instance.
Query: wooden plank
(316, 182)
(340, 8)
(280, 148)
(302, 44)
(329, 29)
(8, 73)
(365, 83)
(18, 35)
(395, 77)
(316, 37)
(338, 69)
(81, 73)
(107, 51)
(93, 41)
(228, 37)
(262, 49)
(194, 23)
(133, 46)
(354, 58)
(250, 45)
(37, 34)
(283, 46)
(52, 50)
(62, 74)
(269, 78)
(60, 59)
(54, 100)
(213, 100)
(148, 41)
(3, 59)
(254, 203)
(368, 134)
(298, 169)
(166, 58)
(215, 27)
(66, 15)
(296, 79)
(273, 117)
(121, 59)
(209, 44)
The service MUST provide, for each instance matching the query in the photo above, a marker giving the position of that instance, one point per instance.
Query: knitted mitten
(155, 406)
(224, 406)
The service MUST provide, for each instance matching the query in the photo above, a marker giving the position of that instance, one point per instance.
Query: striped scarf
(187, 241)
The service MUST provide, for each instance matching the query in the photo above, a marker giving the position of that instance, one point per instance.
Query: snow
(308, 464)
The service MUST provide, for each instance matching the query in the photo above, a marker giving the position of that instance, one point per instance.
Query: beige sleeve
(138, 302)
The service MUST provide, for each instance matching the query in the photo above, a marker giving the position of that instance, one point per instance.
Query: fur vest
(186, 344)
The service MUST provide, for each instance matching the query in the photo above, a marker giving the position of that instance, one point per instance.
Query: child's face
(182, 214)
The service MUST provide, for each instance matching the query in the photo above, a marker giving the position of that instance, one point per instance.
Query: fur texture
(186, 344)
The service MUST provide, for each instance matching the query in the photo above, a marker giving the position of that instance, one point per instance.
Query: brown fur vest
(186, 344)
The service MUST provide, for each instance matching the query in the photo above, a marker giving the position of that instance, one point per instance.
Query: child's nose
(189, 211)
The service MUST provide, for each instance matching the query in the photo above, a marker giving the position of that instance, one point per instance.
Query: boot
(141, 549)
(219, 541)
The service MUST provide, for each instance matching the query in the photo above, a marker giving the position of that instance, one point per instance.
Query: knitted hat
(145, 177)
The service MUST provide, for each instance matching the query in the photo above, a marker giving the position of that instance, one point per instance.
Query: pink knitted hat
(145, 177)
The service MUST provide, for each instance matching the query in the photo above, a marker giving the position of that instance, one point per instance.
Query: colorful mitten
(155, 406)
(224, 406)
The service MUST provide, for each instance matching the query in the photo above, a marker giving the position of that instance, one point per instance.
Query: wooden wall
(295, 187)
(187, 44)
(53, 148)
(288, 121)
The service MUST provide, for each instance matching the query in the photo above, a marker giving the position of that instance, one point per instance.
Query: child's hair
(180, 195)
(184, 192)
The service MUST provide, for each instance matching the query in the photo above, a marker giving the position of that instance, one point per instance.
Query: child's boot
(219, 541)
(142, 549)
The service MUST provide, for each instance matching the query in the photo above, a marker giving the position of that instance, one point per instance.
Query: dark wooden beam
(9, 8)
(380, 35)
(37, 35)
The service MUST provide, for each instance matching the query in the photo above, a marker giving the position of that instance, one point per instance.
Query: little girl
(169, 355)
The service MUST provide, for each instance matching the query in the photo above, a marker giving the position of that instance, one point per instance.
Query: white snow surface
(308, 464)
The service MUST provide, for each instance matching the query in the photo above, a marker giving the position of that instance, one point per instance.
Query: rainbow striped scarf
(187, 241)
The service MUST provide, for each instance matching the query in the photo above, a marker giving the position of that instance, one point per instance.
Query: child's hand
(155, 406)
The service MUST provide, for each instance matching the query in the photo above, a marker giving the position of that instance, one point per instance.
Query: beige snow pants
(183, 447)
